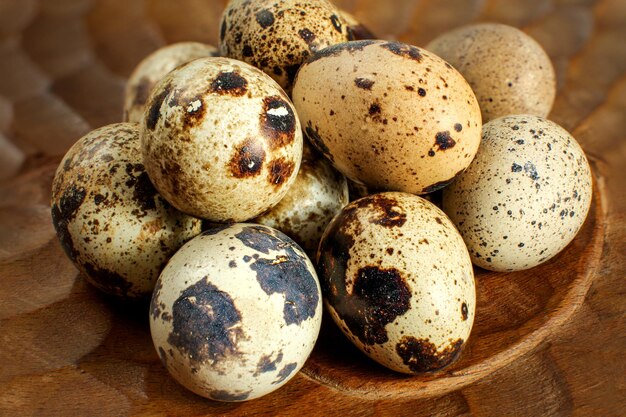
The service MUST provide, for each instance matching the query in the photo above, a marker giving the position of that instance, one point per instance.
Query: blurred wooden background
(63, 65)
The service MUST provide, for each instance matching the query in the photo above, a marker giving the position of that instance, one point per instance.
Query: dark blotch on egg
(109, 281)
(280, 170)
(265, 18)
(205, 323)
(285, 372)
(443, 141)
(64, 213)
(420, 355)
(286, 274)
(364, 83)
(403, 50)
(247, 161)
(221, 395)
(154, 109)
(278, 122)
(230, 83)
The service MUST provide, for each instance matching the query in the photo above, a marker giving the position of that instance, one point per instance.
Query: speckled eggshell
(153, 68)
(388, 115)
(507, 69)
(525, 196)
(109, 218)
(221, 140)
(278, 35)
(236, 312)
(397, 279)
(316, 196)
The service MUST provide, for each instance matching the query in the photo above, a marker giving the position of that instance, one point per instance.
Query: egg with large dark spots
(153, 68)
(236, 312)
(111, 221)
(221, 140)
(398, 281)
(525, 196)
(388, 115)
(277, 36)
(318, 193)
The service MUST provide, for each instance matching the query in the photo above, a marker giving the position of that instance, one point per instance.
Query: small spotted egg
(236, 312)
(110, 220)
(278, 35)
(388, 115)
(525, 196)
(397, 279)
(318, 193)
(153, 68)
(507, 69)
(221, 140)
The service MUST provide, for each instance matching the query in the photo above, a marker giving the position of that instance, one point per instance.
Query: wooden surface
(547, 342)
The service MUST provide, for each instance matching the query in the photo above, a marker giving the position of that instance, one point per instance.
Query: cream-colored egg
(507, 69)
(221, 140)
(397, 279)
(236, 312)
(525, 196)
(111, 222)
(388, 115)
(153, 68)
(278, 35)
(318, 193)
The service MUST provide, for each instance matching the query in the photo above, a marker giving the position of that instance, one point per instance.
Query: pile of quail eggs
(231, 172)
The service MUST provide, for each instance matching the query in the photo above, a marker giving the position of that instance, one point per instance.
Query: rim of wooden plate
(448, 381)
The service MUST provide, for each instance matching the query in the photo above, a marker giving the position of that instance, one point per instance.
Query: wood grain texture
(549, 341)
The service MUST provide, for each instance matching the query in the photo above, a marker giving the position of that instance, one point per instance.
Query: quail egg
(397, 279)
(525, 196)
(318, 193)
(277, 36)
(111, 222)
(507, 69)
(236, 312)
(153, 68)
(388, 115)
(221, 140)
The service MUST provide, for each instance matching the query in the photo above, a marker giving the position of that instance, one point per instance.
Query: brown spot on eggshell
(205, 323)
(307, 36)
(285, 372)
(154, 109)
(379, 296)
(280, 170)
(364, 83)
(444, 141)
(278, 122)
(230, 83)
(403, 50)
(111, 282)
(420, 355)
(336, 50)
(64, 213)
(464, 311)
(223, 395)
(336, 22)
(265, 18)
(247, 160)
